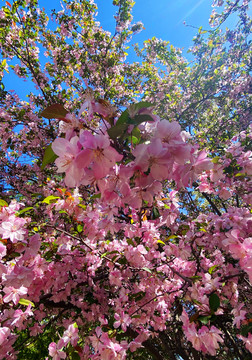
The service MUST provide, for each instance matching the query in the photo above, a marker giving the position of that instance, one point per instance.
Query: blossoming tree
(125, 221)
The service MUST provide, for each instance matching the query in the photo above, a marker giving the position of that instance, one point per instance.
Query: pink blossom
(2, 250)
(202, 163)
(122, 320)
(13, 229)
(4, 333)
(210, 339)
(55, 352)
(224, 194)
(2, 14)
(71, 335)
(13, 294)
(153, 156)
(167, 131)
(100, 153)
(239, 315)
(70, 122)
(95, 339)
(217, 173)
(110, 350)
(101, 107)
(247, 341)
(137, 342)
(18, 276)
(36, 329)
(115, 278)
(20, 316)
(191, 331)
(67, 152)
(204, 339)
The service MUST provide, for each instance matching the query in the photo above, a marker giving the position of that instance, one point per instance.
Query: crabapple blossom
(125, 207)
(122, 320)
(247, 341)
(13, 229)
(4, 333)
(68, 152)
(13, 294)
(55, 352)
(70, 335)
(97, 148)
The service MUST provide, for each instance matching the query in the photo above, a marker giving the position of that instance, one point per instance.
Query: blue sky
(165, 19)
(161, 18)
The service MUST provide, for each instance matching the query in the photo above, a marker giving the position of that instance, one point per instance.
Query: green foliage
(209, 97)
(50, 199)
(131, 116)
(214, 302)
(36, 347)
(49, 157)
(25, 302)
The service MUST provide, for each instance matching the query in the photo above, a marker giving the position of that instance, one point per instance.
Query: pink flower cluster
(88, 158)
(115, 255)
(84, 158)
(204, 339)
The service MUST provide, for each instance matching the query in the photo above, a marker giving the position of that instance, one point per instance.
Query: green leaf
(7, 12)
(196, 302)
(240, 175)
(62, 212)
(171, 237)
(246, 329)
(195, 278)
(49, 157)
(50, 199)
(212, 268)
(55, 111)
(114, 258)
(131, 242)
(135, 108)
(214, 302)
(117, 130)
(48, 255)
(79, 228)
(75, 356)
(25, 210)
(95, 196)
(138, 296)
(109, 253)
(134, 140)
(82, 206)
(123, 119)
(25, 302)
(132, 110)
(122, 260)
(3, 203)
(204, 319)
(155, 213)
(147, 269)
(138, 119)
(136, 133)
